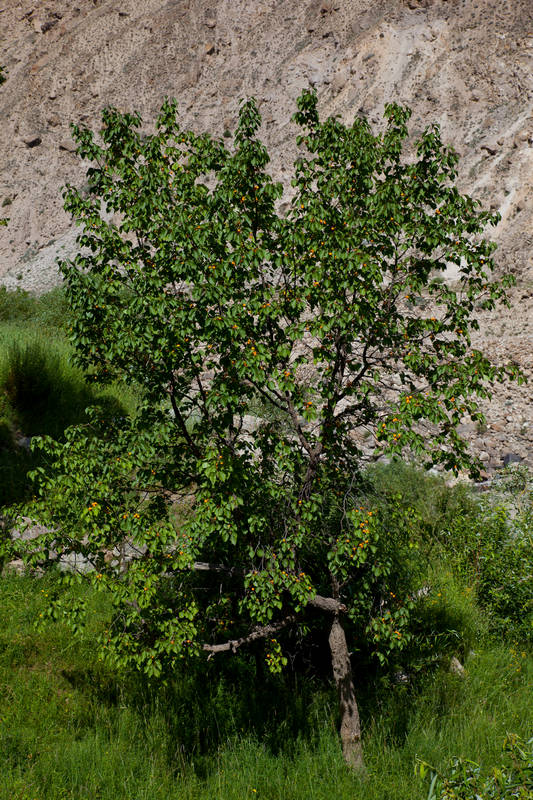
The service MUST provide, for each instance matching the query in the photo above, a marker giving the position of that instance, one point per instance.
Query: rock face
(466, 64)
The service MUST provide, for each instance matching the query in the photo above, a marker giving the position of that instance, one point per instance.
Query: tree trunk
(350, 731)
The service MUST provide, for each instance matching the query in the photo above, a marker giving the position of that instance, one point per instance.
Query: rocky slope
(467, 64)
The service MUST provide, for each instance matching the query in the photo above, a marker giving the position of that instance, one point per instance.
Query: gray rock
(32, 140)
(400, 677)
(340, 79)
(17, 565)
(456, 667)
(511, 458)
(48, 24)
(210, 18)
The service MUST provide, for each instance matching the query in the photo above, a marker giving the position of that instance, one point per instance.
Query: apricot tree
(265, 347)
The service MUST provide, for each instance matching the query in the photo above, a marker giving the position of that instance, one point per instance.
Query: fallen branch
(205, 566)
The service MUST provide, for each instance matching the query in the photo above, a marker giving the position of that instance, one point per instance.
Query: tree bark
(350, 730)
(261, 632)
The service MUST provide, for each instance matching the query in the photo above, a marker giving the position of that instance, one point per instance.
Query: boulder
(511, 458)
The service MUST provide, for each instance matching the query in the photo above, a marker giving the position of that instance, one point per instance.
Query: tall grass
(70, 728)
(49, 310)
(46, 392)
(41, 391)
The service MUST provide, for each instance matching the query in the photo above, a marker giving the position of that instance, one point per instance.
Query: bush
(481, 546)
(14, 462)
(33, 374)
(465, 779)
(6, 423)
(425, 497)
(416, 509)
(48, 310)
(490, 546)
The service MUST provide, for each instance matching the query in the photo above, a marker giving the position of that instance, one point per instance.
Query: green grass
(49, 310)
(70, 728)
(41, 391)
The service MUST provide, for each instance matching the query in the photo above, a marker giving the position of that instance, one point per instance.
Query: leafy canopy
(270, 349)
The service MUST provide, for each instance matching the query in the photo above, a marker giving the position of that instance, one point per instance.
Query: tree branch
(296, 420)
(261, 632)
(327, 604)
(205, 566)
(323, 603)
(181, 422)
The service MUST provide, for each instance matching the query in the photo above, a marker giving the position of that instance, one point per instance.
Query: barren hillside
(467, 64)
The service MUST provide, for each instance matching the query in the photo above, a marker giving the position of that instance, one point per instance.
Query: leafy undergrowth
(70, 728)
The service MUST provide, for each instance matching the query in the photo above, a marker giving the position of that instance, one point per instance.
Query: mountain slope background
(466, 64)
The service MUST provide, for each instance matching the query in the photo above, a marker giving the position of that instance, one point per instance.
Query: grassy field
(70, 728)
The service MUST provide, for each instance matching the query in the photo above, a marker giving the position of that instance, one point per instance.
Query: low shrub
(465, 780)
(485, 541)
(6, 423)
(492, 550)
(49, 310)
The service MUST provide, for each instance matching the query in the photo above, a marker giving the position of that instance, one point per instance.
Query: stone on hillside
(340, 79)
(456, 667)
(511, 458)
(210, 18)
(48, 24)
(32, 139)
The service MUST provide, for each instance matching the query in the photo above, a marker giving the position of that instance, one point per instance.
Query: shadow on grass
(41, 393)
(204, 706)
